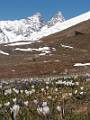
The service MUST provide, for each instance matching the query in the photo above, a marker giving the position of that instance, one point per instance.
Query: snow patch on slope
(43, 50)
(81, 64)
(18, 43)
(4, 53)
(66, 46)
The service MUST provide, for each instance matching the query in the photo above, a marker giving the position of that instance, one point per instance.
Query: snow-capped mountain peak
(36, 21)
(60, 26)
(18, 30)
(24, 29)
(35, 17)
(58, 17)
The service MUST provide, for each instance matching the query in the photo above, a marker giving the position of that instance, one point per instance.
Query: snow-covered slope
(61, 26)
(19, 30)
(33, 28)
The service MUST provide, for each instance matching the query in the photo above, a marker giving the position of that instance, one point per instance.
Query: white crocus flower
(32, 86)
(43, 110)
(16, 91)
(46, 110)
(56, 89)
(7, 104)
(82, 88)
(27, 92)
(15, 110)
(42, 89)
(47, 87)
(58, 108)
(70, 94)
(30, 92)
(35, 101)
(59, 82)
(76, 91)
(44, 104)
(81, 93)
(8, 91)
(14, 99)
(49, 97)
(77, 83)
(47, 82)
(26, 103)
(40, 110)
(21, 91)
(33, 90)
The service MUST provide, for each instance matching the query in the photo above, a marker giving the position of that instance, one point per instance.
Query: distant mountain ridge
(34, 28)
(23, 29)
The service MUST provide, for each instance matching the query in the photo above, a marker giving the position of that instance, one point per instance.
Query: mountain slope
(55, 54)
